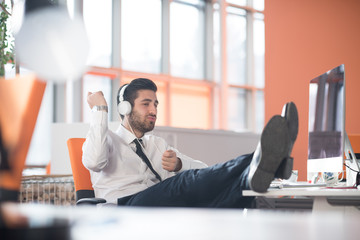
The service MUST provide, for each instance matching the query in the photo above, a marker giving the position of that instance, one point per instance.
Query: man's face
(143, 115)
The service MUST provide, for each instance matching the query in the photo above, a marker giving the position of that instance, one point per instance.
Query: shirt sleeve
(96, 148)
(188, 162)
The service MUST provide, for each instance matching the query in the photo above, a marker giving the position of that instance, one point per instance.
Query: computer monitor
(326, 122)
(329, 146)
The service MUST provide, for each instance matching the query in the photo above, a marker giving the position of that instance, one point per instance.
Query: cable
(137, 139)
(143, 148)
(357, 181)
(350, 168)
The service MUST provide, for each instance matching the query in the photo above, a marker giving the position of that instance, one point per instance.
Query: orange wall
(303, 39)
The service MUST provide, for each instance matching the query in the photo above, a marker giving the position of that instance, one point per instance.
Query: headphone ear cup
(124, 108)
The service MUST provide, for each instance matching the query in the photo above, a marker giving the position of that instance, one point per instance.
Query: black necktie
(141, 154)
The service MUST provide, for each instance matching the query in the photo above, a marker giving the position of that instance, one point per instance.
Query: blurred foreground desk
(193, 223)
(324, 199)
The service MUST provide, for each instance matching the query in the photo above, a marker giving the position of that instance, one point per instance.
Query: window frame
(219, 112)
(67, 99)
(219, 102)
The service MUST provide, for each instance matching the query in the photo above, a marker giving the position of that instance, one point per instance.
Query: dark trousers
(218, 186)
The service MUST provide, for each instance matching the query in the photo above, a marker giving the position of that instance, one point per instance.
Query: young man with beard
(131, 168)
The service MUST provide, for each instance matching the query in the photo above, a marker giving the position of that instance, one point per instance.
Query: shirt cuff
(185, 164)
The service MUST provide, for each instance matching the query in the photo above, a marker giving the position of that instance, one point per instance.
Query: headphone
(124, 107)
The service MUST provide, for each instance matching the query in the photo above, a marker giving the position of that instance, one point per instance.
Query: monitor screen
(326, 122)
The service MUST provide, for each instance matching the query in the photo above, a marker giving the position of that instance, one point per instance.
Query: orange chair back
(20, 100)
(81, 175)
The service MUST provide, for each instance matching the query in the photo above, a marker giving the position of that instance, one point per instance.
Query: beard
(139, 123)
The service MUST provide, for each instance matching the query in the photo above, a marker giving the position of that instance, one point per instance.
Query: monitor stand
(351, 162)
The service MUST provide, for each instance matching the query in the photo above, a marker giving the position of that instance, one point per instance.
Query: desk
(91, 223)
(348, 198)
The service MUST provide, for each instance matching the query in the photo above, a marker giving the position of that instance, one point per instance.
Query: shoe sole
(275, 144)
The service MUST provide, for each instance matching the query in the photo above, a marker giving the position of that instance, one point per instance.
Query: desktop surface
(303, 189)
(341, 199)
(194, 223)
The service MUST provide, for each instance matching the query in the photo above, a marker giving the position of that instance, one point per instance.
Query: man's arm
(174, 161)
(95, 148)
(96, 99)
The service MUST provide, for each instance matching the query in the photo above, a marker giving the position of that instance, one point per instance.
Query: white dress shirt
(116, 170)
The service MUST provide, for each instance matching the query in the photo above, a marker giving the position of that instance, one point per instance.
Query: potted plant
(6, 42)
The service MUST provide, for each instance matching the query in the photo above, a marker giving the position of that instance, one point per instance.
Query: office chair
(20, 99)
(82, 181)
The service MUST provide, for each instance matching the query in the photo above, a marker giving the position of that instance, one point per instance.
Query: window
(259, 50)
(236, 46)
(239, 52)
(98, 23)
(187, 40)
(93, 83)
(192, 106)
(141, 35)
(206, 57)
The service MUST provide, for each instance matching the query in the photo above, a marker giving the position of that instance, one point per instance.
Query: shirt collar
(126, 135)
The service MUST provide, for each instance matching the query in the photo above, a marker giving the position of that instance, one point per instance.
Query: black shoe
(290, 113)
(273, 148)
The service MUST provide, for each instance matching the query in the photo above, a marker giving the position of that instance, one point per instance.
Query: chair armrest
(90, 201)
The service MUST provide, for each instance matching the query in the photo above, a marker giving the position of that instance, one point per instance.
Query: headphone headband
(121, 94)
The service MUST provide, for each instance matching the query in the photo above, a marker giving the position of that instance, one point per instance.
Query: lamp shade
(52, 44)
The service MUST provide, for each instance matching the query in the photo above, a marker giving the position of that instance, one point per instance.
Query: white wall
(209, 146)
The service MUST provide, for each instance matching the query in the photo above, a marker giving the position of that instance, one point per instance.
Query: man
(130, 168)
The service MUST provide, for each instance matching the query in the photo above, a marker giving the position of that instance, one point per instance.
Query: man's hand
(96, 99)
(171, 162)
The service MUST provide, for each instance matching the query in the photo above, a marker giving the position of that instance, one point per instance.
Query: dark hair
(131, 91)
